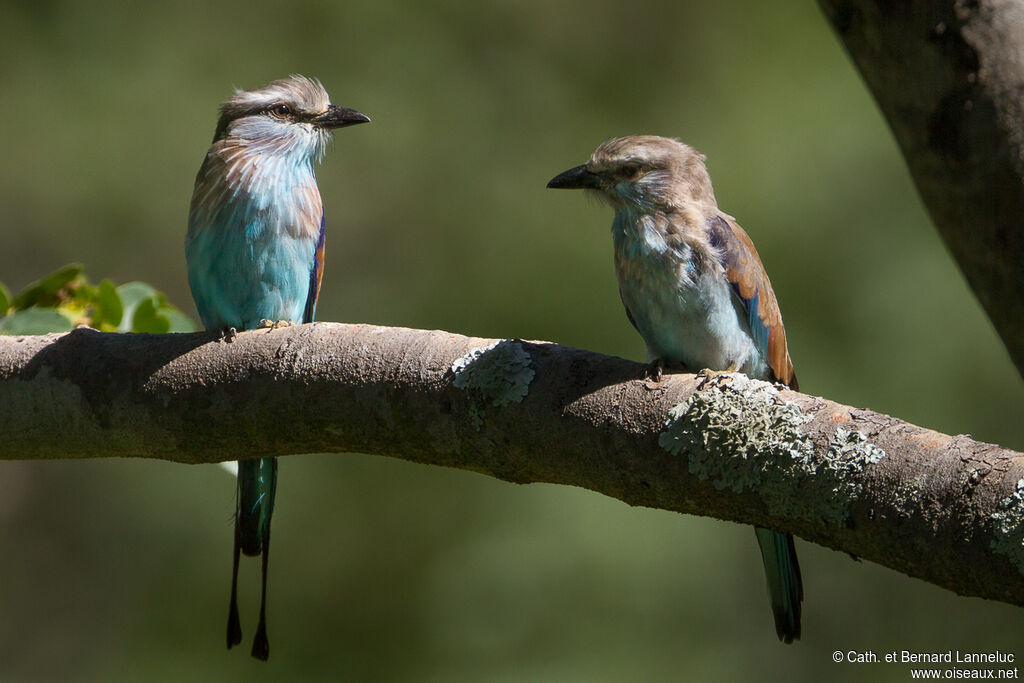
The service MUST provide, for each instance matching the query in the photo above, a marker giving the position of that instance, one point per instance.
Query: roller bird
(696, 291)
(255, 255)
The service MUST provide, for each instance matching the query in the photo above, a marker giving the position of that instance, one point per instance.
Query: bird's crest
(656, 174)
(301, 95)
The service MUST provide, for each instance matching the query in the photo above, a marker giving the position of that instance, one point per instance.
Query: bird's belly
(239, 281)
(690, 321)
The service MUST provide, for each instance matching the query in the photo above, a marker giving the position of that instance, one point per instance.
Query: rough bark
(947, 509)
(949, 77)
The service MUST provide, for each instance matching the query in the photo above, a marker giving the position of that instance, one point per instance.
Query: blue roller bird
(255, 254)
(696, 291)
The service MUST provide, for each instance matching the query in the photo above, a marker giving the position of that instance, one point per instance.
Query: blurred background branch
(948, 76)
(532, 412)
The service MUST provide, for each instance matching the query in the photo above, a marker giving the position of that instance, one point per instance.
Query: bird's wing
(629, 313)
(752, 288)
(316, 273)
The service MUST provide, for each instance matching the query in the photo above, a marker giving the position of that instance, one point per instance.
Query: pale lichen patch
(849, 452)
(1009, 527)
(734, 431)
(498, 375)
(740, 434)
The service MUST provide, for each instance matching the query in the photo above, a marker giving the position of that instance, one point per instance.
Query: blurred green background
(438, 217)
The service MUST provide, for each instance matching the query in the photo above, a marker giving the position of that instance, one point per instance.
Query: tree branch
(947, 509)
(948, 77)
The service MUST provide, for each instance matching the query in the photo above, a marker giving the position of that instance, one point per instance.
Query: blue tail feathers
(785, 587)
(257, 483)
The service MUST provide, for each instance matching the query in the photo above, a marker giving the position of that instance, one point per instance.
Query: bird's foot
(708, 375)
(228, 334)
(275, 324)
(655, 370)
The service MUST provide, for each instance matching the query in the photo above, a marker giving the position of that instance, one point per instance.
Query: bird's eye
(630, 171)
(280, 110)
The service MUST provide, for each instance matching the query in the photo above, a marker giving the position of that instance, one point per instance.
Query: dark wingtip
(234, 626)
(260, 644)
(787, 630)
(787, 621)
(785, 585)
(234, 623)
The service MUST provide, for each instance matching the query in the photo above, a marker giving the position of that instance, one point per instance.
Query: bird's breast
(682, 305)
(251, 243)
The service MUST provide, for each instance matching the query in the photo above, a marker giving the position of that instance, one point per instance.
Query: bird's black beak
(575, 178)
(339, 117)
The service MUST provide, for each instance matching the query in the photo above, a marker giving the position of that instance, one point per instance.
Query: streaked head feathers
(648, 172)
(299, 94)
(295, 113)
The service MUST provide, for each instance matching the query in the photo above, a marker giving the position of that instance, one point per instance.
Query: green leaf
(132, 294)
(45, 292)
(148, 319)
(34, 321)
(179, 322)
(146, 310)
(132, 307)
(108, 305)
